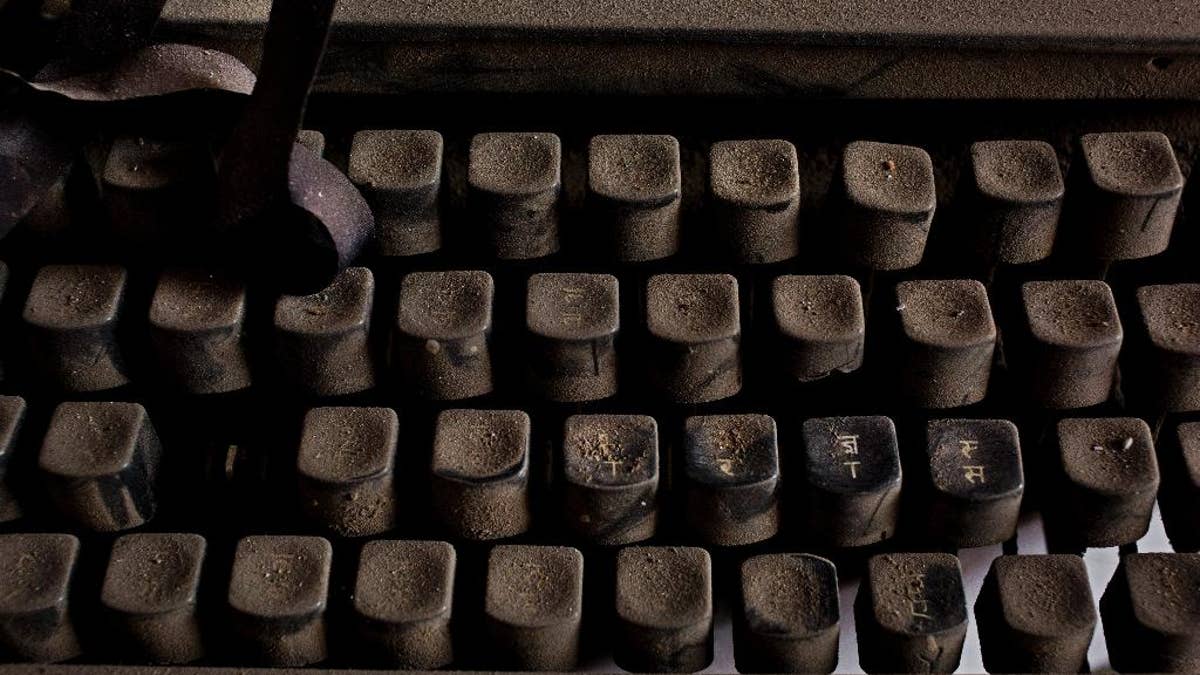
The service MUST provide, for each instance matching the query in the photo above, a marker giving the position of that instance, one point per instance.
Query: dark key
(911, 614)
(1018, 199)
(515, 180)
(400, 174)
(1151, 613)
(731, 469)
(889, 204)
(1109, 481)
(788, 618)
(197, 329)
(71, 315)
(277, 593)
(442, 332)
(695, 331)
(664, 609)
(323, 338)
(1071, 360)
(572, 321)
(1035, 614)
(634, 186)
(313, 140)
(101, 464)
(345, 466)
(12, 419)
(610, 463)
(1129, 190)
(150, 591)
(534, 606)
(852, 480)
(481, 473)
(402, 602)
(1170, 319)
(156, 190)
(978, 482)
(35, 581)
(821, 324)
(1179, 495)
(949, 338)
(6, 341)
(755, 188)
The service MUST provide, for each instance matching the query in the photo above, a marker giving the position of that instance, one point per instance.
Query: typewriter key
(977, 479)
(787, 621)
(514, 182)
(1150, 611)
(1018, 199)
(755, 188)
(852, 480)
(534, 604)
(634, 185)
(948, 341)
(821, 324)
(695, 331)
(442, 332)
(400, 173)
(313, 141)
(664, 609)
(611, 465)
(35, 622)
(1170, 320)
(197, 323)
(481, 473)
(889, 204)
(572, 321)
(731, 471)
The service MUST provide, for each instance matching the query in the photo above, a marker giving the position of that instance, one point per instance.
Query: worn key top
(346, 469)
(101, 465)
(481, 473)
(787, 621)
(1075, 336)
(71, 314)
(664, 609)
(35, 595)
(1018, 199)
(1179, 494)
(821, 324)
(442, 333)
(1109, 479)
(572, 321)
(852, 480)
(948, 341)
(1170, 345)
(403, 597)
(731, 471)
(977, 479)
(322, 339)
(156, 191)
(514, 181)
(534, 604)
(889, 203)
(313, 140)
(695, 330)
(12, 419)
(610, 464)
(150, 591)
(277, 593)
(1035, 614)
(911, 614)
(197, 330)
(634, 185)
(755, 188)
(400, 174)
(1151, 613)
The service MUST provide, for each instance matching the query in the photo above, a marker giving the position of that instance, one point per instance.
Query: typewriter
(655, 336)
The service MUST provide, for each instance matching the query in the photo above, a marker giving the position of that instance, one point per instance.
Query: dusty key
(948, 341)
(346, 469)
(787, 619)
(514, 181)
(322, 339)
(610, 464)
(889, 200)
(911, 614)
(197, 329)
(1169, 332)
(403, 597)
(978, 481)
(35, 595)
(664, 609)
(534, 605)
(481, 473)
(1074, 336)
(400, 174)
(12, 419)
(634, 185)
(731, 472)
(443, 327)
(150, 591)
(312, 140)
(821, 324)
(101, 465)
(1149, 611)
(852, 480)
(572, 321)
(1035, 614)
(1179, 494)
(1018, 196)
(1109, 480)
(1128, 191)
(277, 596)
(755, 188)
(157, 192)
(695, 330)
(71, 315)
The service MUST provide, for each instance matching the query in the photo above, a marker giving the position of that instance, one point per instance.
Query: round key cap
(442, 333)
(821, 324)
(1017, 199)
